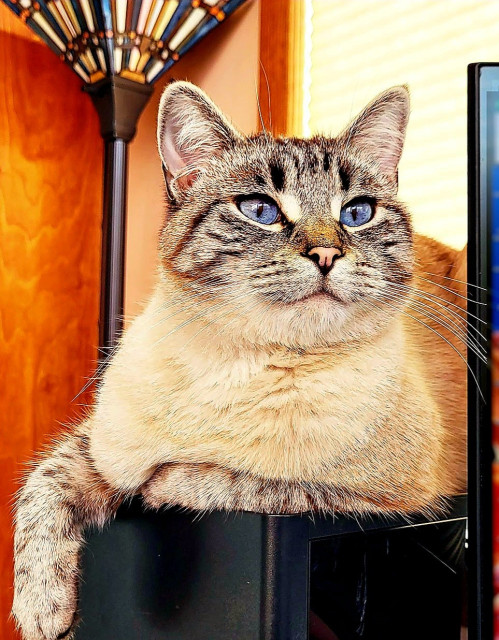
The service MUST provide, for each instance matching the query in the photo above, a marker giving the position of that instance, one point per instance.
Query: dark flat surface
(159, 575)
(177, 575)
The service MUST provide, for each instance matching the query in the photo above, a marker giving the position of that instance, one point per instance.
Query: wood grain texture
(282, 58)
(50, 216)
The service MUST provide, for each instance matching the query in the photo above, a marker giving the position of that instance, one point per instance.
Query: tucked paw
(157, 491)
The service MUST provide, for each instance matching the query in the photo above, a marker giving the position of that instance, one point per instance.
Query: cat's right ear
(191, 130)
(379, 131)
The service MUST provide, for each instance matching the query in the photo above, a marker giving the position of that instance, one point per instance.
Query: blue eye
(261, 210)
(356, 213)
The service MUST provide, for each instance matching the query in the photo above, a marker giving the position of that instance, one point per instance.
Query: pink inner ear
(171, 157)
(383, 140)
(389, 140)
(178, 162)
(388, 157)
(379, 131)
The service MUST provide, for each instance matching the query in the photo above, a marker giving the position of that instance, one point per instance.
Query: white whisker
(441, 336)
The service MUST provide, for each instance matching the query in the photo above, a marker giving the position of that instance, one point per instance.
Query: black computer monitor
(483, 254)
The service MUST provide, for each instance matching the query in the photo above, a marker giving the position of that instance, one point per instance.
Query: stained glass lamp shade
(135, 39)
(119, 48)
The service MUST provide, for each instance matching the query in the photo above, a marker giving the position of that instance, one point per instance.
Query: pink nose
(324, 256)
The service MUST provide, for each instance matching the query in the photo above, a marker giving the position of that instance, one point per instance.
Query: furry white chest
(275, 412)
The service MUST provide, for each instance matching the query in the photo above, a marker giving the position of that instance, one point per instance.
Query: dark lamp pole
(119, 103)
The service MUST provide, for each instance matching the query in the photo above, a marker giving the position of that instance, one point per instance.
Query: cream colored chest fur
(273, 412)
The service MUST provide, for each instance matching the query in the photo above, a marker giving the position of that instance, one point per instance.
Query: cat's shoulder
(429, 251)
(440, 269)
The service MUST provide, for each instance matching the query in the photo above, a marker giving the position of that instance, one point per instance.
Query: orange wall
(50, 212)
(226, 66)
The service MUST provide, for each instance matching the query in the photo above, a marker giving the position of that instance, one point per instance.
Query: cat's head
(302, 240)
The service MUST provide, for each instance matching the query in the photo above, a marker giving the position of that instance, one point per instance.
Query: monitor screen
(489, 202)
(489, 172)
(408, 582)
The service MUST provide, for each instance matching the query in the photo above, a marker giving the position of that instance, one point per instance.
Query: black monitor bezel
(480, 452)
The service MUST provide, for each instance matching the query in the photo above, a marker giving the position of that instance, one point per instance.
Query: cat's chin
(321, 297)
(315, 320)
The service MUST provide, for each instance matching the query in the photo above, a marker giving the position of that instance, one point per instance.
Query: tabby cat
(302, 351)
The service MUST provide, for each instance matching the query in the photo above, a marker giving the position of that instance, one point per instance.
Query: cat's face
(300, 238)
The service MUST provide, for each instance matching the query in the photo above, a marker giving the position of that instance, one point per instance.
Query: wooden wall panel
(50, 216)
(282, 44)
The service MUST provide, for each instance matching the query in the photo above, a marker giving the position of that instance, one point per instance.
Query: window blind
(361, 47)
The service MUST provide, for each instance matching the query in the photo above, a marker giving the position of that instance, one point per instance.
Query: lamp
(119, 48)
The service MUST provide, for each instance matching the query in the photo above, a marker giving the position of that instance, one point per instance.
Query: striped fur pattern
(61, 497)
(253, 380)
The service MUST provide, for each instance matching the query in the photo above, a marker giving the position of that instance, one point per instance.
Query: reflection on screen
(405, 584)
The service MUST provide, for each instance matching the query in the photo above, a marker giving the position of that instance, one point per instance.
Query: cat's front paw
(40, 617)
(46, 552)
(61, 496)
(45, 599)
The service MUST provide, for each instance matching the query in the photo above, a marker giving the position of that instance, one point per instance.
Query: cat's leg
(62, 495)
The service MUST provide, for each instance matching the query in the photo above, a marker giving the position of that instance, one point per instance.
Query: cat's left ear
(379, 131)
(191, 130)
